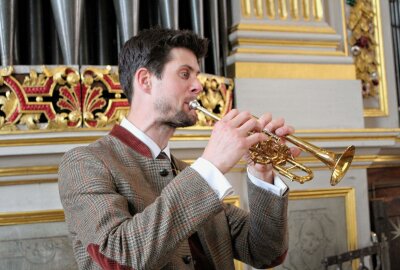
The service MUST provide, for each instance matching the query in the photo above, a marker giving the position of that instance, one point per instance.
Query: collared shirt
(215, 179)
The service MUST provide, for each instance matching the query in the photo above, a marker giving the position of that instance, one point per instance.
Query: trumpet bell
(342, 164)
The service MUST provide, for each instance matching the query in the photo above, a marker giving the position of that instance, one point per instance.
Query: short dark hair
(151, 48)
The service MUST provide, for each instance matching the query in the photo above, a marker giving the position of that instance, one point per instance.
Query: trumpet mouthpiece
(194, 104)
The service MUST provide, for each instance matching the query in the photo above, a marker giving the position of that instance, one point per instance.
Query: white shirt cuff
(214, 178)
(278, 188)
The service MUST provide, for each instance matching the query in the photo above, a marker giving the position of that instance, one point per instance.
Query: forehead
(183, 57)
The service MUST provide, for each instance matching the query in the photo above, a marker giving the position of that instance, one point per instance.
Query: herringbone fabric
(124, 212)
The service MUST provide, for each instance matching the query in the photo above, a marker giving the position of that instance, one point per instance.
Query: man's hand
(230, 139)
(279, 128)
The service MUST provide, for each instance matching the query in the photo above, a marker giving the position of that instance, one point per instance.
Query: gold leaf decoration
(59, 122)
(215, 97)
(363, 46)
(8, 103)
(34, 80)
(30, 120)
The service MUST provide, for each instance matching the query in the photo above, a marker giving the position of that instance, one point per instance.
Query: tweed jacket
(126, 210)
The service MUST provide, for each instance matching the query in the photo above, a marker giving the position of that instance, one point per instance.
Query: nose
(197, 87)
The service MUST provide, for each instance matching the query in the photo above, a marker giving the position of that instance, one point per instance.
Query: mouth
(187, 105)
(191, 111)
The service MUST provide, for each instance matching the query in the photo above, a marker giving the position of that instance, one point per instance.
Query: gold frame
(57, 215)
(382, 110)
(29, 217)
(383, 99)
(348, 195)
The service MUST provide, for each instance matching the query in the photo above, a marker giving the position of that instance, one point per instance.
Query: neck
(146, 122)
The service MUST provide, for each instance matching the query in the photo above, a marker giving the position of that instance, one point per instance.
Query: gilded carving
(41, 100)
(8, 103)
(283, 10)
(34, 80)
(104, 103)
(363, 46)
(6, 71)
(62, 75)
(30, 120)
(59, 98)
(69, 101)
(215, 97)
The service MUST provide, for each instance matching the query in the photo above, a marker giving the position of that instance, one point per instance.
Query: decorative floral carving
(59, 98)
(8, 103)
(104, 103)
(363, 45)
(215, 97)
(47, 100)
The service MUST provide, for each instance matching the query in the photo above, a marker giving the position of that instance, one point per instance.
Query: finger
(284, 130)
(230, 115)
(250, 125)
(265, 119)
(275, 123)
(295, 151)
(240, 119)
(255, 138)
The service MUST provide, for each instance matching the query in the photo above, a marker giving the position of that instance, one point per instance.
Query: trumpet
(278, 154)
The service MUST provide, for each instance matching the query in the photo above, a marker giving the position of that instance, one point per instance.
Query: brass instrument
(278, 154)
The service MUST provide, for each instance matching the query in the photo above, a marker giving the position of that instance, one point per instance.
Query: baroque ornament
(363, 45)
(61, 98)
(48, 100)
(103, 101)
(216, 97)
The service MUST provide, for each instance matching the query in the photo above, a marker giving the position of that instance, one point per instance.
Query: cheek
(170, 89)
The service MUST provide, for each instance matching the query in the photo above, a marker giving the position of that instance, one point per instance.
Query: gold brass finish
(278, 154)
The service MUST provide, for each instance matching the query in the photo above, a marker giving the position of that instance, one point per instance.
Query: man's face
(176, 88)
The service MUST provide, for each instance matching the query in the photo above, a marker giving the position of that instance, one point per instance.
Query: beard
(173, 118)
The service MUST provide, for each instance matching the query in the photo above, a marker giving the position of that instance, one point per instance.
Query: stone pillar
(291, 58)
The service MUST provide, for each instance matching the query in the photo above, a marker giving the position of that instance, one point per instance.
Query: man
(127, 207)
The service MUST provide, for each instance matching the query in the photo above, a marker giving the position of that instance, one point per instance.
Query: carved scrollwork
(104, 102)
(215, 97)
(40, 100)
(363, 46)
(60, 98)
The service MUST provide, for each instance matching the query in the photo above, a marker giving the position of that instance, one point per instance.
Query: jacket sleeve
(260, 238)
(98, 216)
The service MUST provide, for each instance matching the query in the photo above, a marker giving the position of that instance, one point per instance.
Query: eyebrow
(190, 68)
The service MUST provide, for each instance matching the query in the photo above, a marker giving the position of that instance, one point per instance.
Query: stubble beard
(178, 118)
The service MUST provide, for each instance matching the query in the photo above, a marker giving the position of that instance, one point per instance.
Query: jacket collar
(130, 140)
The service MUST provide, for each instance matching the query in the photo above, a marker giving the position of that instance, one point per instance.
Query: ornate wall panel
(50, 99)
(62, 98)
(366, 41)
(103, 103)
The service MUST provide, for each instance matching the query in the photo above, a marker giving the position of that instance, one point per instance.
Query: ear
(143, 78)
